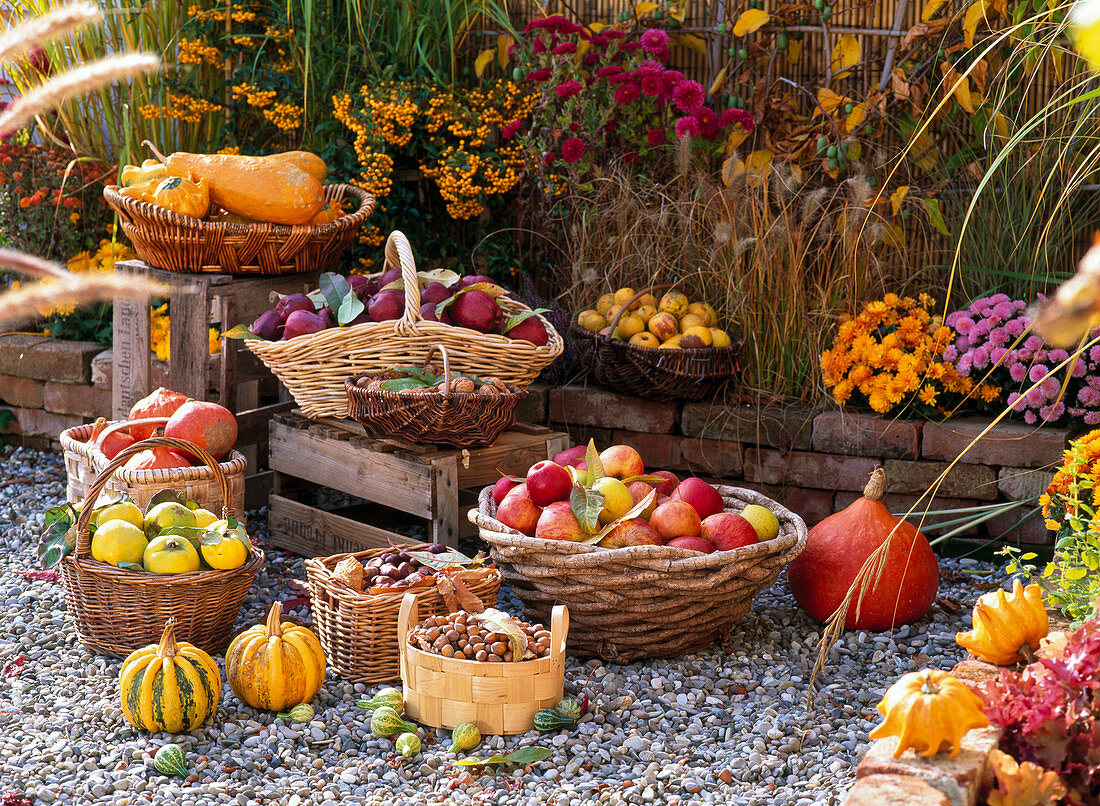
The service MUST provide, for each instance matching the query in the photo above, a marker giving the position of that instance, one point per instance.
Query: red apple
(548, 482)
(667, 487)
(728, 531)
(700, 495)
(570, 456)
(518, 511)
(621, 461)
(557, 522)
(691, 543)
(638, 491)
(504, 485)
(633, 532)
(675, 519)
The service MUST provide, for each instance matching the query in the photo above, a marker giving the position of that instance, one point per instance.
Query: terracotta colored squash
(208, 425)
(156, 459)
(114, 442)
(836, 551)
(1007, 627)
(159, 403)
(275, 665)
(928, 711)
(169, 686)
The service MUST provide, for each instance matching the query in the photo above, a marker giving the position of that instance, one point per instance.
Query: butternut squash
(306, 160)
(260, 188)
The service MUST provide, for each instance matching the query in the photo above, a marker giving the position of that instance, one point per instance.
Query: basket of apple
(649, 565)
(663, 348)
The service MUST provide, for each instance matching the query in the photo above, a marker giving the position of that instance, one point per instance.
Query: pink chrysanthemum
(655, 136)
(608, 70)
(708, 123)
(540, 75)
(572, 150)
(629, 46)
(649, 66)
(568, 89)
(739, 116)
(555, 24)
(689, 96)
(510, 129)
(655, 41)
(617, 79)
(630, 158)
(687, 127)
(652, 85)
(565, 48)
(626, 93)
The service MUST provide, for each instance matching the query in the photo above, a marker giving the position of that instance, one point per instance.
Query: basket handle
(399, 252)
(438, 347)
(614, 323)
(83, 530)
(126, 424)
(559, 631)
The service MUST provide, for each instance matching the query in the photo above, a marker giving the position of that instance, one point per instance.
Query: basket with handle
(180, 243)
(462, 419)
(500, 698)
(313, 367)
(693, 373)
(358, 630)
(641, 601)
(84, 460)
(116, 611)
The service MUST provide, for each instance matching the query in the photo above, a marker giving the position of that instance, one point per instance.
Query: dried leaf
(974, 15)
(897, 197)
(437, 562)
(43, 576)
(1024, 784)
(719, 80)
(524, 755)
(593, 463)
(466, 600)
(633, 512)
(446, 588)
(350, 572)
(483, 59)
(794, 51)
(856, 117)
(930, 9)
(829, 101)
(641, 9)
(587, 504)
(504, 42)
(752, 20)
(932, 207)
(499, 621)
(692, 42)
(846, 54)
(14, 668)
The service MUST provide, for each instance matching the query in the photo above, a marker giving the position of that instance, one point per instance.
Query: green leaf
(444, 276)
(522, 317)
(194, 535)
(57, 538)
(528, 755)
(125, 566)
(492, 289)
(499, 621)
(587, 504)
(932, 207)
(241, 332)
(1031, 555)
(592, 461)
(400, 384)
(480, 761)
(1075, 573)
(334, 288)
(350, 307)
(633, 512)
(167, 497)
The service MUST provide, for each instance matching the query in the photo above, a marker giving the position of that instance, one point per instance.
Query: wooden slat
(132, 362)
(188, 363)
(445, 494)
(257, 488)
(314, 532)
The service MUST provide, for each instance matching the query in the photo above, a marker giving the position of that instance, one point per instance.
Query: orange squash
(275, 665)
(1007, 627)
(928, 711)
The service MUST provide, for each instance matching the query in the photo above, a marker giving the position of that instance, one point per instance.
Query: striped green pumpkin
(172, 687)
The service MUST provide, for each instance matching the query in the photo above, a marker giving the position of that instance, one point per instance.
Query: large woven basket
(500, 698)
(465, 420)
(84, 462)
(117, 611)
(313, 367)
(641, 601)
(359, 630)
(174, 242)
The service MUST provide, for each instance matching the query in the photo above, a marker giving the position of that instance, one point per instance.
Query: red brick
(773, 426)
(819, 471)
(975, 672)
(894, 790)
(901, 504)
(77, 398)
(960, 778)
(36, 422)
(963, 481)
(1020, 483)
(23, 392)
(47, 359)
(580, 434)
(717, 457)
(103, 370)
(855, 434)
(1006, 528)
(535, 406)
(813, 506)
(1011, 444)
(658, 451)
(594, 406)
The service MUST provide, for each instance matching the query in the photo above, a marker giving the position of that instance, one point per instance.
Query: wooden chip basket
(84, 461)
(465, 420)
(358, 631)
(641, 601)
(500, 698)
(180, 243)
(313, 368)
(116, 611)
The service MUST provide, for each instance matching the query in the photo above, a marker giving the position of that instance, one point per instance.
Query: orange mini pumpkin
(927, 711)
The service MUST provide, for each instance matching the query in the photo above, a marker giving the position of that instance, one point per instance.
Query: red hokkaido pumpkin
(114, 442)
(836, 551)
(208, 425)
(160, 403)
(156, 459)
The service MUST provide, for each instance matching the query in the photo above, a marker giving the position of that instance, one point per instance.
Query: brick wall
(817, 462)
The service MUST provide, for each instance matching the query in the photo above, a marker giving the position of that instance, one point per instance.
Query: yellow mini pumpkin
(183, 196)
(275, 665)
(149, 171)
(927, 711)
(168, 686)
(1008, 627)
(329, 213)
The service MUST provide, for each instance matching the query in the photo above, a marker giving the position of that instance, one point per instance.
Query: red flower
(539, 45)
(510, 129)
(655, 41)
(565, 48)
(608, 70)
(708, 123)
(652, 84)
(626, 93)
(568, 89)
(689, 96)
(630, 157)
(618, 78)
(740, 116)
(572, 150)
(655, 136)
(591, 59)
(540, 75)
(555, 24)
(687, 127)
(629, 46)
(549, 158)
(574, 126)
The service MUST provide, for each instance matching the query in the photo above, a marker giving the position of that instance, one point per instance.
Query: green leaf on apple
(333, 288)
(593, 463)
(57, 538)
(522, 317)
(587, 504)
(125, 566)
(492, 289)
(166, 497)
(633, 512)
(646, 479)
(350, 307)
(394, 285)
(445, 277)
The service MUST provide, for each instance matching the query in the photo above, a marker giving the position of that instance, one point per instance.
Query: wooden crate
(235, 378)
(419, 480)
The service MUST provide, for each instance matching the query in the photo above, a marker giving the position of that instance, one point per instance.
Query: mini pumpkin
(275, 665)
(329, 213)
(148, 171)
(928, 711)
(170, 686)
(183, 196)
(1008, 627)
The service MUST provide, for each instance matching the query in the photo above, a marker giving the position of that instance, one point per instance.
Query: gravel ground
(715, 727)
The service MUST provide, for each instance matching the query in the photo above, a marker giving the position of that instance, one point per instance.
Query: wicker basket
(694, 373)
(641, 601)
(359, 630)
(465, 420)
(117, 611)
(84, 462)
(500, 698)
(174, 242)
(313, 367)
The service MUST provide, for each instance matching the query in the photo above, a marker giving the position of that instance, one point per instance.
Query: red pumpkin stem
(275, 620)
(876, 486)
(168, 647)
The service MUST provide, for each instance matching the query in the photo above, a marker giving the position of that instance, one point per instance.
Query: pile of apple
(608, 499)
(671, 323)
(466, 301)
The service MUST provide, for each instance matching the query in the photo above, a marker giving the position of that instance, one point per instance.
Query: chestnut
(371, 566)
(381, 582)
(388, 570)
(405, 568)
(390, 558)
(437, 548)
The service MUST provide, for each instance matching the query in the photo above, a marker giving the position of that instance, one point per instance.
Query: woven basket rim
(733, 348)
(146, 213)
(515, 392)
(580, 555)
(420, 653)
(110, 573)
